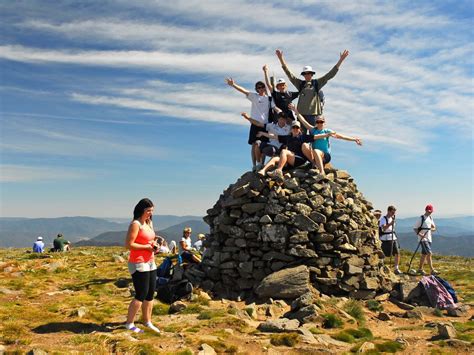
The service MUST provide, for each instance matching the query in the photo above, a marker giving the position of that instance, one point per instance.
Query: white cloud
(24, 173)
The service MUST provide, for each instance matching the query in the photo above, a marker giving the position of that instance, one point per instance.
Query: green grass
(353, 335)
(192, 309)
(389, 347)
(332, 321)
(210, 314)
(160, 309)
(315, 330)
(438, 313)
(286, 339)
(355, 309)
(374, 306)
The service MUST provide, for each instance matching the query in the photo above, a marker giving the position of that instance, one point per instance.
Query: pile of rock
(259, 227)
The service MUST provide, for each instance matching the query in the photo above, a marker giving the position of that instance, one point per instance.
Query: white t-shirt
(279, 131)
(198, 245)
(383, 221)
(428, 223)
(187, 241)
(260, 107)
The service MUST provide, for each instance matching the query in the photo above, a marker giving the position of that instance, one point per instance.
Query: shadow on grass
(88, 284)
(76, 327)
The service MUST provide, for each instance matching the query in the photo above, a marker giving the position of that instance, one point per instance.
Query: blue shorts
(426, 247)
(326, 158)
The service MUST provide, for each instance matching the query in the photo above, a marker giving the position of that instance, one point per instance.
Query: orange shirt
(145, 236)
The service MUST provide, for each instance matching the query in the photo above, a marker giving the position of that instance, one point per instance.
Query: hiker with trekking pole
(389, 237)
(423, 228)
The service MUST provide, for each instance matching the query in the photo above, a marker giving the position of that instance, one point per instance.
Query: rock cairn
(260, 228)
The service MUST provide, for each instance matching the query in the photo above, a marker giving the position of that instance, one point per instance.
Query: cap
(201, 236)
(295, 124)
(307, 69)
(40, 238)
(280, 81)
(429, 208)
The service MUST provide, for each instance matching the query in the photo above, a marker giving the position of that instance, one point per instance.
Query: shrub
(353, 335)
(286, 339)
(332, 321)
(344, 336)
(209, 314)
(389, 347)
(438, 313)
(374, 306)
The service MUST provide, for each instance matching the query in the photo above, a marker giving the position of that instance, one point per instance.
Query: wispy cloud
(24, 173)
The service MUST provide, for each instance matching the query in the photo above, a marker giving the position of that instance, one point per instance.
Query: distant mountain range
(455, 236)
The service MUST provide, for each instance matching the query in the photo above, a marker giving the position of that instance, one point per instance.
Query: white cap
(40, 238)
(281, 81)
(295, 124)
(307, 69)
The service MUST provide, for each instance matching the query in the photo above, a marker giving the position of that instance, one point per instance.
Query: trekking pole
(411, 260)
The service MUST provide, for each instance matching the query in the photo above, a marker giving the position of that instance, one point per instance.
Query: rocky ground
(76, 302)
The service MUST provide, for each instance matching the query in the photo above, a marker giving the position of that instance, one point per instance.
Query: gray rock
(302, 301)
(276, 233)
(317, 217)
(279, 325)
(251, 208)
(413, 314)
(287, 283)
(266, 219)
(383, 316)
(177, 307)
(304, 315)
(206, 350)
(305, 223)
(446, 331)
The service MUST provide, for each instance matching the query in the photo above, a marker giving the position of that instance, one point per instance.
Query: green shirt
(308, 101)
(59, 243)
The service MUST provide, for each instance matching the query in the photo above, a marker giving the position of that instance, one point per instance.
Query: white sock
(129, 325)
(152, 327)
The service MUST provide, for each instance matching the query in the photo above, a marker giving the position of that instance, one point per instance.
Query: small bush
(344, 336)
(192, 309)
(286, 339)
(374, 306)
(332, 321)
(209, 314)
(389, 347)
(354, 308)
(315, 330)
(353, 335)
(438, 313)
(232, 311)
(160, 309)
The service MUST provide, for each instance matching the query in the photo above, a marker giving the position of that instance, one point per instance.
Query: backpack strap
(386, 221)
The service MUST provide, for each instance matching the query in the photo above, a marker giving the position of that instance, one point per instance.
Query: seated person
(173, 247)
(38, 246)
(321, 153)
(61, 244)
(295, 153)
(272, 147)
(188, 254)
(198, 244)
(162, 245)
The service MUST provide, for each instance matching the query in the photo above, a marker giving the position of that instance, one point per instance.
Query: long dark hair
(140, 208)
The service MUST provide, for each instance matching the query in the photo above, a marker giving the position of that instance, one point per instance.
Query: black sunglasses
(260, 87)
(319, 122)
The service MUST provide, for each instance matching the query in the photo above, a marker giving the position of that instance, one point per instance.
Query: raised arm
(267, 79)
(294, 80)
(347, 138)
(342, 57)
(332, 73)
(266, 134)
(305, 123)
(251, 120)
(232, 83)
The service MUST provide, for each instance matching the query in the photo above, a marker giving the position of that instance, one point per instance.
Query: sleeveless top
(142, 260)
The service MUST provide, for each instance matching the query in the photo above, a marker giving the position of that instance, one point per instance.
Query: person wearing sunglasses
(281, 95)
(321, 152)
(272, 147)
(309, 101)
(296, 152)
(261, 106)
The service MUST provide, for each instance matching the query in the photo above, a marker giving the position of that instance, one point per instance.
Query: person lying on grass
(321, 152)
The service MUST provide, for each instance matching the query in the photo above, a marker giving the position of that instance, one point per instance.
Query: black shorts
(253, 134)
(269, 149)
(388, 249)
(326, 158)
(299, 161)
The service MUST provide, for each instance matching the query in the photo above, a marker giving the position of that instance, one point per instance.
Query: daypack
(381, 231)
(318, 92)
(165, 271)
(448, 288)
(174, 291)
(437, 294)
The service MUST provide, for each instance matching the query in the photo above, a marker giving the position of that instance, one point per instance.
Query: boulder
(279, 325)
(288, 283)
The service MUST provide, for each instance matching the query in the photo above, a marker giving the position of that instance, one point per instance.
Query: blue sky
(103, 103)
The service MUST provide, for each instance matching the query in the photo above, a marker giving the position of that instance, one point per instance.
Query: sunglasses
(318, 122)
(308, 72)
(260, 87)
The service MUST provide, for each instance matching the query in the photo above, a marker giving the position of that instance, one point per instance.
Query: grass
(465, 330)
(160, 309)
(286, 339)
(374, 306)
(332, 321)
(353, 335)
(354, 308)
(220, 346)
(438, 313)
(315, 330)
(210, 314)
(192, 309)
(389, 347)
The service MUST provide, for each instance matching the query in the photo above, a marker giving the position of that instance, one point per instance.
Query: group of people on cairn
(143, 244)
(423, 228)
(276, 130)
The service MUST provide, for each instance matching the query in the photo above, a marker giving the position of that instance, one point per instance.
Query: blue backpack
(165, 271)
(448, 288)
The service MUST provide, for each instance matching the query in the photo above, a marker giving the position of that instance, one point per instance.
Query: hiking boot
(277, 174)
(398, 272)
(421, 272)
(434, 272)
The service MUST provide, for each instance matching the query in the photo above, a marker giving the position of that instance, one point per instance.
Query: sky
(103, 103)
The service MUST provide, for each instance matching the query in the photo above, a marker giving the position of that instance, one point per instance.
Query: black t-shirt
(294, 143)
(283, 99)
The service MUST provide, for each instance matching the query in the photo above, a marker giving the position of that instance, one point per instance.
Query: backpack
(318, 92)
(172, 292)
(420, 228)
(381, 231)
(448, 288)
(437, 294)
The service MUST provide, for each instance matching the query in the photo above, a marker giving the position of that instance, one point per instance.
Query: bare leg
(430, 261)
(308, 152)
(285, 153)
(252, 154)
(273, 161)
(132, 310)
(147, 308)
(257, 153)
(397, 260)
(422, 261)
(318, 160)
